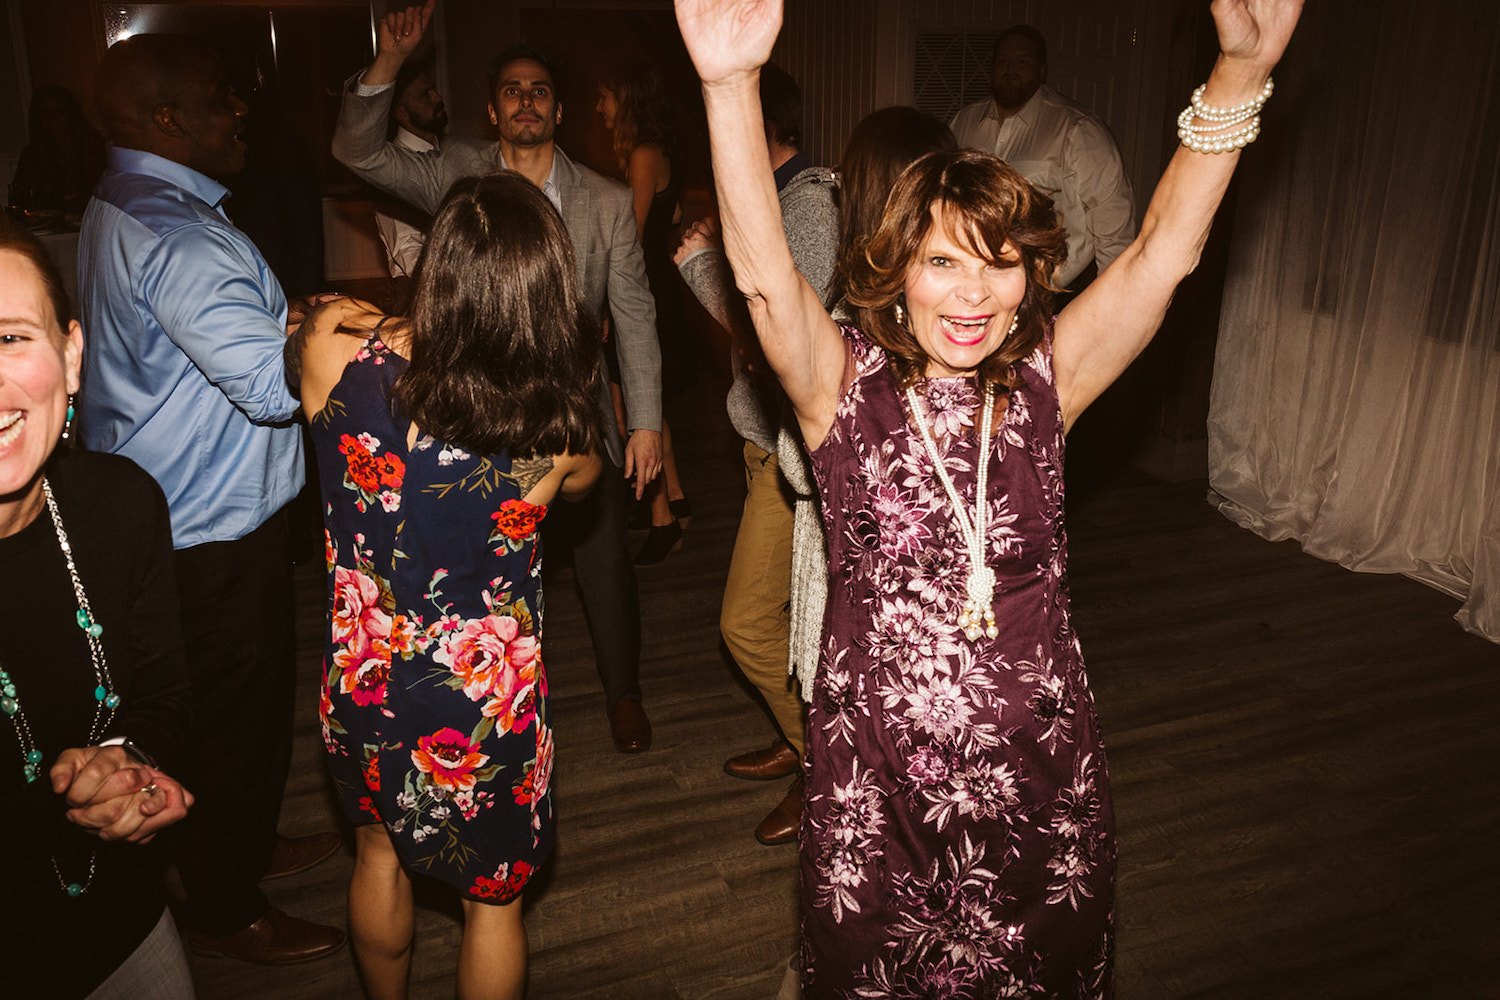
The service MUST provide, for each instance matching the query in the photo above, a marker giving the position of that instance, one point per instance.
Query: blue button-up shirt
(184, 326)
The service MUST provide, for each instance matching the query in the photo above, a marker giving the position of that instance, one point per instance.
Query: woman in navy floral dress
(957, 839)
(440, 441)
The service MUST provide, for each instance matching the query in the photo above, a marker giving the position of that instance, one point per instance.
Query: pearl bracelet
(1186, 119)
(1223, 143)
(1209, 113)
(1225, 129)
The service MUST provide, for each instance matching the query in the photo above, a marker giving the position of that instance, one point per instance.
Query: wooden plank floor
(1306, 765)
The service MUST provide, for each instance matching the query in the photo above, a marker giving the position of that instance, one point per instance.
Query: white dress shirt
(1067, 152)
(403, 241)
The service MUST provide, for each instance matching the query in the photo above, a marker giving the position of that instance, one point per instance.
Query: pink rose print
(365, 666)
(356, 607)
(490, 655)
(449, 759)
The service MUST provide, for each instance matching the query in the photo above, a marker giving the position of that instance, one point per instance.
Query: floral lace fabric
(958, 837)
(434, 707)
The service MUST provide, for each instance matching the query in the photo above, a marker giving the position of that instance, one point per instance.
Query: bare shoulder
(649, 156)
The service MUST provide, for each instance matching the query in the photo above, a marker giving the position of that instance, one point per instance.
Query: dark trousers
(594, 528)
(237, 612)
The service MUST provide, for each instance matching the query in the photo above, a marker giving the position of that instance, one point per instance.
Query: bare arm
(729, 40)
(326, 342)
(1099, 333)
(645, 173)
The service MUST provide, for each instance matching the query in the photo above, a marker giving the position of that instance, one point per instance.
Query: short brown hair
(990, 205)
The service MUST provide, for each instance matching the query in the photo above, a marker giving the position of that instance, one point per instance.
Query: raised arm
(1099, 333)
(729, 40)
(359, 137)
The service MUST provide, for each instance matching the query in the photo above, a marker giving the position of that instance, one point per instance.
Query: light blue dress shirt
(184, 326)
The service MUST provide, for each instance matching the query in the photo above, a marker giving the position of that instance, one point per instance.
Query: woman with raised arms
(958, 837)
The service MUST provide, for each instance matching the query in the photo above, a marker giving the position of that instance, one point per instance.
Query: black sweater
(116, 520)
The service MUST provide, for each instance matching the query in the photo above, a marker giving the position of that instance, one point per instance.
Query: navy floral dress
(958, 838)
(434, 706)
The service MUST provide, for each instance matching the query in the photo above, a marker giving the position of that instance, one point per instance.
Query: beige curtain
(1356, 395)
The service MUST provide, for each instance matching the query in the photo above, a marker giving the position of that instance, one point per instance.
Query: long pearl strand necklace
(978, 614)
(105, 698)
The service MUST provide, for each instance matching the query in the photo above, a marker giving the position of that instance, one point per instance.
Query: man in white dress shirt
(1059, 145)
(419, 117)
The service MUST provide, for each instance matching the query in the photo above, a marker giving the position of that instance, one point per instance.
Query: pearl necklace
(105, 698)
(978, 614)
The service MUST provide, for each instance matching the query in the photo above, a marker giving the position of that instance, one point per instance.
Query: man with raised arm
(601, 222)
(418, 118)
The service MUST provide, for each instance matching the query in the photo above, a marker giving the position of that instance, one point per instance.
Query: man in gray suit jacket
(598, 215)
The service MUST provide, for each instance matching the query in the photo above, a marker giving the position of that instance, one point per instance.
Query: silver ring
(151, 789)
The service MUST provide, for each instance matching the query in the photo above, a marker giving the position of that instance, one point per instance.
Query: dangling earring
(900, 313)
(1015, 321)
(67, 434)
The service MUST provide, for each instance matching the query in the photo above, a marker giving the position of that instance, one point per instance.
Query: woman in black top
(93, 697)
(635, 111)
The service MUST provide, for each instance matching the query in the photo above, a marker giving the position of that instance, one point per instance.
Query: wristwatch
(132, 751)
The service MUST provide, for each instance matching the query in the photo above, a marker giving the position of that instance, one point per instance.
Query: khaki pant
(755, 619)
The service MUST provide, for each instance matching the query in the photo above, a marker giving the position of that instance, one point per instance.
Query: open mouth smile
(964, 331)
(11, 425)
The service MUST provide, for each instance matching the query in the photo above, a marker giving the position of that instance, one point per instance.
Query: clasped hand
(112, 796)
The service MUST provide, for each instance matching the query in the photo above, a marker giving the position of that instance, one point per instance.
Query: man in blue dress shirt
(186, 326)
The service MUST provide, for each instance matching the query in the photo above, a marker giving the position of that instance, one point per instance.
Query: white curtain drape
(1356, 394)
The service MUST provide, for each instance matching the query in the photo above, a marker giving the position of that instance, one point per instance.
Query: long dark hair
(503, 357)
(880, 147)
(642, 114)
(989, 205)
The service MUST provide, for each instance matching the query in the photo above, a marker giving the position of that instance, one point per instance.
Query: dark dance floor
(1306, 766)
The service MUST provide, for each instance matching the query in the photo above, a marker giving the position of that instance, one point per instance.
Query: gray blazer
(597, 212)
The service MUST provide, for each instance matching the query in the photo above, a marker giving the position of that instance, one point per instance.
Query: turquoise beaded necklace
(105, 698)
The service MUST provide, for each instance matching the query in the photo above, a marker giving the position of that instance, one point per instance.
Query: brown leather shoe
(780, 824)
(629, 727)
(775, 761)
(298, 854)
(275, 939)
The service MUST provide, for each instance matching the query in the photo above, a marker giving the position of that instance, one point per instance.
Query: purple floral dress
(434, 704)
(958, 837)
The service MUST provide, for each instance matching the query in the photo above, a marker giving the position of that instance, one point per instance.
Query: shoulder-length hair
(503, 356)
(642, 114)
(989, 206)
(880, 147)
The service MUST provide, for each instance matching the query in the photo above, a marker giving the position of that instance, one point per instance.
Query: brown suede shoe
(780, 825)
(775, 761)
(298, 854)
(629, 727)
(275, 939)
